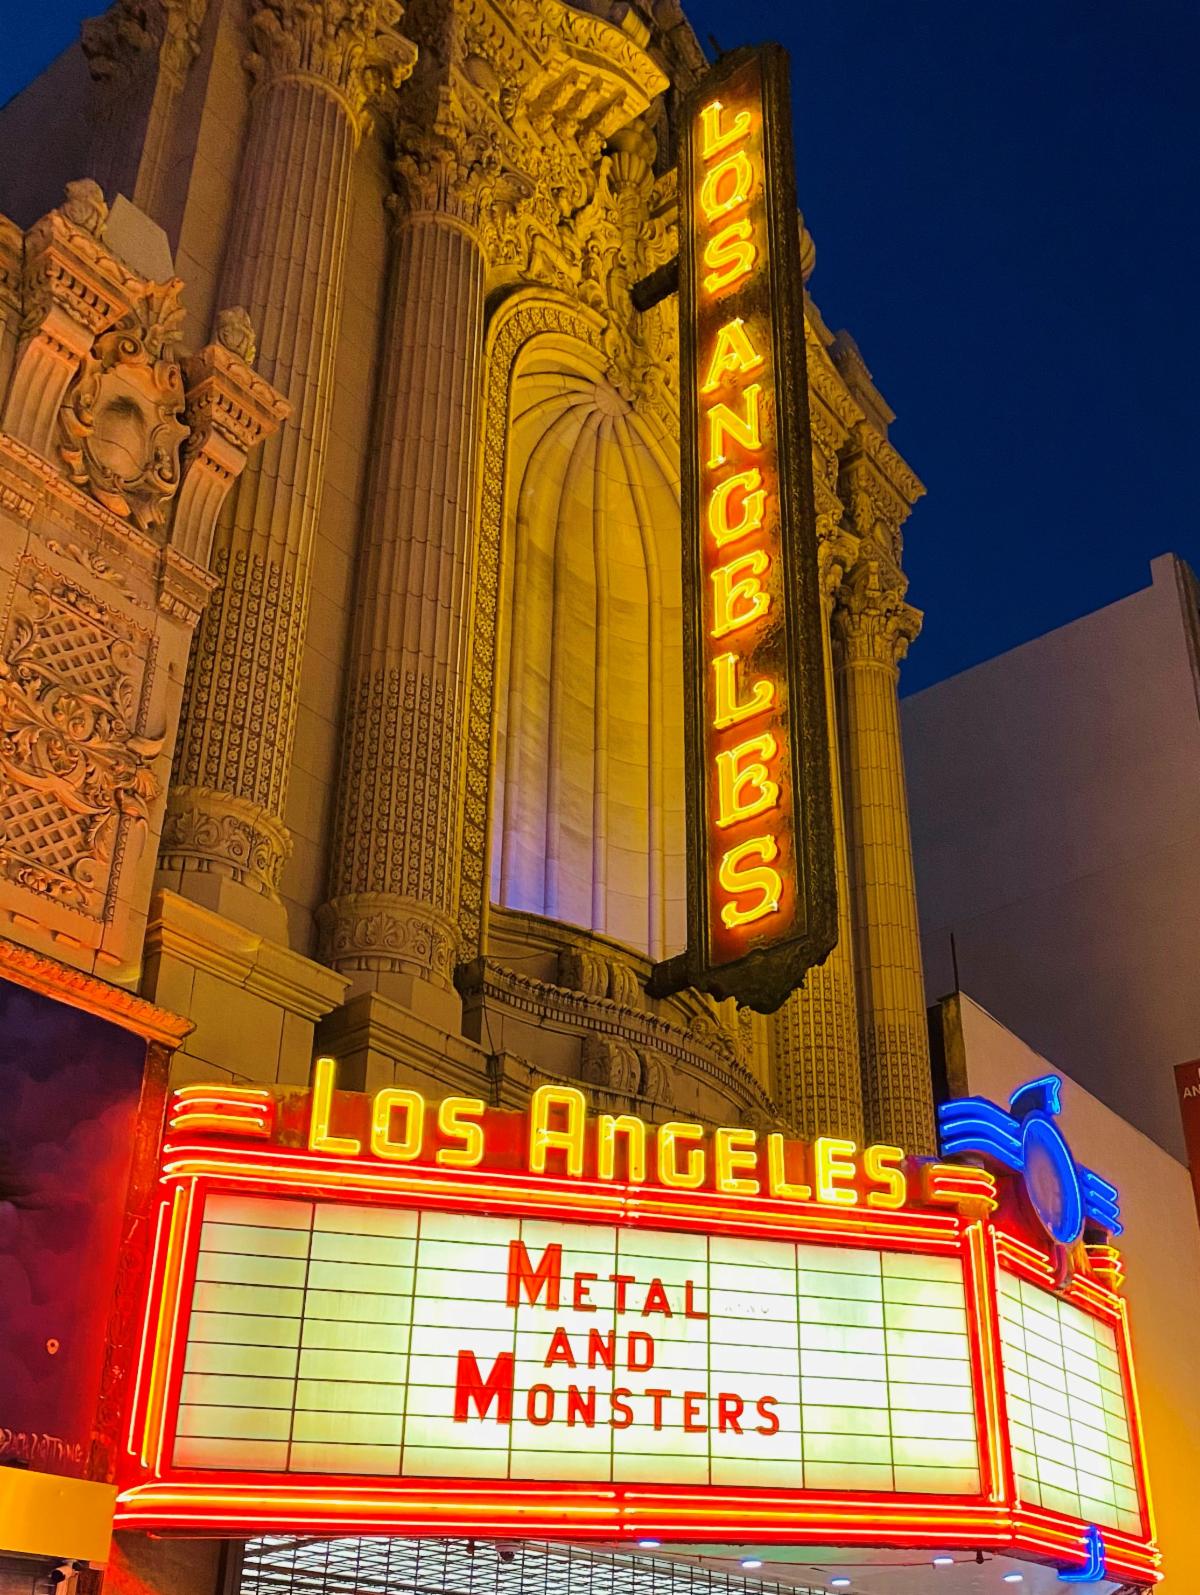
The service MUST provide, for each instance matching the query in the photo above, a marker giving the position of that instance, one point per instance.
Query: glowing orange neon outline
(219, 1088)
(994, 1517)
(991, 1431)
(227, 1123)
(153, 1293)
(1137, 1433)
(415, 1182)
(170, 1304)
(1096, 1302)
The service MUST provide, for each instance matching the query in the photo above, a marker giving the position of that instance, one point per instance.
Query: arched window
(588, 781)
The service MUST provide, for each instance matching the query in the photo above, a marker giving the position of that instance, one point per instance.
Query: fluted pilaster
(814, 1036)
(316, 64)
(397, 864)
(873, 628)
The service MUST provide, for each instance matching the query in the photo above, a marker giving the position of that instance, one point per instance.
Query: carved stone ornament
(119, 41)
(377, 930)
(226, 834)
(611, 1064)
(119, 424)
(350, 45)
(695, 1067)
(75, 771)
(84, 206)
(229, 410)
(234, 331)
(872, 622)
(624, 1069)
(581, 970)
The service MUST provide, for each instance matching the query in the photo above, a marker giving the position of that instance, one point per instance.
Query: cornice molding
(40, 973)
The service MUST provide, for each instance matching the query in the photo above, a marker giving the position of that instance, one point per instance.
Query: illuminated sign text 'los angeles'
(761, 890)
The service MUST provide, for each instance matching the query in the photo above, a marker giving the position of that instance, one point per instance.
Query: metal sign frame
(781, 751)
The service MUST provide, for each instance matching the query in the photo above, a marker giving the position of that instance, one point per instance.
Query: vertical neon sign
(761, 895)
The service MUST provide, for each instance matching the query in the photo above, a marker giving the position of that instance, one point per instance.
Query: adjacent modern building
(1055, 797)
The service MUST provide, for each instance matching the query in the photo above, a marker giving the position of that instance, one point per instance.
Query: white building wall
(1055, 798)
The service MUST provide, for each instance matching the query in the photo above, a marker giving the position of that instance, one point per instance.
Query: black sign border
(763, 978)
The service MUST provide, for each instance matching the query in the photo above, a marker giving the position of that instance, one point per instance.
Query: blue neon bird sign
(1026, 1138)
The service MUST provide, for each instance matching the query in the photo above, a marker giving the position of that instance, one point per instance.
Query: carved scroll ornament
(120, 427)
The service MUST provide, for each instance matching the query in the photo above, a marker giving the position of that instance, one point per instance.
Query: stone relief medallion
(120, 423)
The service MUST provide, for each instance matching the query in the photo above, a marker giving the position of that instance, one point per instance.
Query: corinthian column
(814, 1036)
(873, 628)
(316, 62)
(392, 921)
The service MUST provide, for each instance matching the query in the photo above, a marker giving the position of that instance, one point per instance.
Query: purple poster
(69, 1091)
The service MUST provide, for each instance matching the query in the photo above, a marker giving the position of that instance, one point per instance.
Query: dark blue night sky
(1004, 202)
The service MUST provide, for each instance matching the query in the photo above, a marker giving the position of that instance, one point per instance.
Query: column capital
(351, 47)
(872, 622)
(878, 488)
(444, 167)
(131, 35)
(837, 550)
(72, 290)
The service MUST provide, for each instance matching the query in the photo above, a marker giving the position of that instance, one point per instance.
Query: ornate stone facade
(426, 801)
(102, 578)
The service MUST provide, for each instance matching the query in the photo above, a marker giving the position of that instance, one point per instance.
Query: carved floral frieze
(203, 829)
(378, 930)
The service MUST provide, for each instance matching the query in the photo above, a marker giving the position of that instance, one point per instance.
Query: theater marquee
(383, 1315)
(761, 889)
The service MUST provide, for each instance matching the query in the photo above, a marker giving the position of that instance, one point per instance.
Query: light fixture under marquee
(340, 1342)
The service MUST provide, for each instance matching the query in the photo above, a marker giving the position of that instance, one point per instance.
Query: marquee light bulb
(649, 1545)
(943, 1561)
(751, 1561)
(840, 1583)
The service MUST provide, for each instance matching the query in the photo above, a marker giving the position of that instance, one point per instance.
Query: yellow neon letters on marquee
(458, 1119)
(691, 1176)
(387, 1103)
(634, 1131)
(681, 1155)
(319, 1138)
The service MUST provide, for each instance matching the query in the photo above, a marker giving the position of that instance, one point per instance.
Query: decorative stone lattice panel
(74, 754)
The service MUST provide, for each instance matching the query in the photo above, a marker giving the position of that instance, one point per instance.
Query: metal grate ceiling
(276, 1564)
